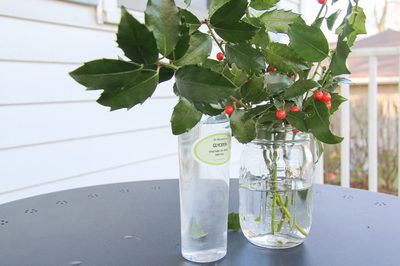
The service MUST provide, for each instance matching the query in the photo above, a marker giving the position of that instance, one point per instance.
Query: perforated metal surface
(138, 224)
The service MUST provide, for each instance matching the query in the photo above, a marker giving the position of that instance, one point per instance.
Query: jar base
(204, 256)
(277, 241)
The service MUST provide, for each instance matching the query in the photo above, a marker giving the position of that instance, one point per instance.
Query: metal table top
(137, 223)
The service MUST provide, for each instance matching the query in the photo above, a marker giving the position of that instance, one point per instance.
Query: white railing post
(373, 125)
(345, 132)
(319, 171)
(398, 135)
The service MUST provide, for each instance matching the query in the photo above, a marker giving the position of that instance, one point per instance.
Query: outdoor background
(54, 135)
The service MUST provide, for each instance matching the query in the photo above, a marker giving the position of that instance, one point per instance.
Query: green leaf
(330, 21)
(263, 4)
(219, 66)
(233, 221)
(190, 20)
(209, 109)
(163, 19)
(136, 40)
(309, 42)
(284, 58)
(317, 121)
(236, 32)
(200, 84)
(184, 117)
(261, 38)
(299, 88)
(105, 73)
(200, 46)
(230, 12)
(245, 57)
(338, 64)
(141, 87)
(336, 100)
(277, 83)
(253, 89)
(215, 5)
(279, 20)
(181, 46)
(352, 26)
(239, 75)
(165, 74)
(258, 110)
(195, 230)
(243, 129)
(297, 120)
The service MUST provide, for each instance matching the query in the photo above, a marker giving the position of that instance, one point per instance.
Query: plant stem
(161, 63)
(301, 230)
(240, 102)
(274, 190)
(210, 30)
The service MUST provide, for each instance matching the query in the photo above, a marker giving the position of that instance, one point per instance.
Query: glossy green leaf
(200, 46)
(215, 5)
(317, 121)
(299, 88)
(244, 130)
(309, 42)
(219, 66)
(330, 21)
(277, 83)
(245, 57)
(230, 12)
(239, 75)
(181, 46)
(297, 120)
(165, 74)
(163, 19)
(336, 100)
(184, 117)
(253, 89)
(105, 73)
(284, 58)
(236, 32)
(190, 20)
(258, 110)
(141, 87)
(200, 84)
(338, 64)
(279, 20)
(209, 109)
(136, 40)
(263, 4)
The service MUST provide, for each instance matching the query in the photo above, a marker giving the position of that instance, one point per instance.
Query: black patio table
(137, 223)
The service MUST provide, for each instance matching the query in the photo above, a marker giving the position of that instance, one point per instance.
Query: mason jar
(275, 187)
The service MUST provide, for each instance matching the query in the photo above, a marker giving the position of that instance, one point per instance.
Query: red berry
(326, 97)
(292, 77)
(245, 81)
(329, 105)
(318, 95)
(294, 108)
(220, 56)
(271, 69)
(295, 131)
(281, 114)
(229, 109)
(322, 2)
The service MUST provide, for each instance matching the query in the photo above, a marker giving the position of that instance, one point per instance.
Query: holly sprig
(256, 80)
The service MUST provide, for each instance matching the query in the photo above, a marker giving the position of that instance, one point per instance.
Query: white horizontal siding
(53, 135)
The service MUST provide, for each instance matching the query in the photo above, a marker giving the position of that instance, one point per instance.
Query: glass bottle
(204, 155)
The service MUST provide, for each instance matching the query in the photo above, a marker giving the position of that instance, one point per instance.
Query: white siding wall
(53, 134)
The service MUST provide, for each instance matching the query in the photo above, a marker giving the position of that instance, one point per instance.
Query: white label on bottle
(213, 149)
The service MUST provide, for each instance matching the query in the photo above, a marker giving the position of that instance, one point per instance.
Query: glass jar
(275, 187)
(204, 155)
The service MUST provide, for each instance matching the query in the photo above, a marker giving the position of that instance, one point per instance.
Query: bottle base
(204, 256)
(277, 241)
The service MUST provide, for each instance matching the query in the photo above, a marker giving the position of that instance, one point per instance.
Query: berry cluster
(325, 97)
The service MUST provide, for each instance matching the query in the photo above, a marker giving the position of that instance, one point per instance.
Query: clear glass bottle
(275, 188)
(204, 155)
